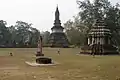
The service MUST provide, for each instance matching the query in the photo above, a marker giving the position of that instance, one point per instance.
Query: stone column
(39, 49)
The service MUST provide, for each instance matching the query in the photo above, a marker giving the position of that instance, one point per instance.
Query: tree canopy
(21, 34)
(88, 13)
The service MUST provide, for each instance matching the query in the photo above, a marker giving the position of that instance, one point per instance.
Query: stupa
(57, 37)
(99, 40)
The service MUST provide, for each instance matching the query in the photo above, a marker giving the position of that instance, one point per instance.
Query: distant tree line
(21, 34)
(77, 29)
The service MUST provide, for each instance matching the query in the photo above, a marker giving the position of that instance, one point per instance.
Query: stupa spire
(57, 14)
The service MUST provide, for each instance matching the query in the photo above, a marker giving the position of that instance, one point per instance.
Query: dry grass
(71, 67)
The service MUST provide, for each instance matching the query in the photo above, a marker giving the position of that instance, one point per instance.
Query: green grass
(70, 67)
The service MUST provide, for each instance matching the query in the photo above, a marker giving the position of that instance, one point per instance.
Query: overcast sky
(38, 12)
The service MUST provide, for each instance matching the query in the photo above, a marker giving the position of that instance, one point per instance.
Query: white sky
(38, 12)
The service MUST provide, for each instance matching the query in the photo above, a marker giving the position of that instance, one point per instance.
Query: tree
(89, 12)
(24, 34)
(113, 21)
(13, 35)
(75, 31)
(34, 36)
(45, 35)
(4, 33)
(101, 9)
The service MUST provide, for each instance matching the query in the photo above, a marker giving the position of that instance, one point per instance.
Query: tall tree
(75, 31)
(101, 9)
(13, 35)
(89, 12)
(4, 33)
(35, 33)
(45, 35)
(26, 34)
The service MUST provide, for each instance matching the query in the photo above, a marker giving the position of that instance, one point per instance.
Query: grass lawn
(70, 67)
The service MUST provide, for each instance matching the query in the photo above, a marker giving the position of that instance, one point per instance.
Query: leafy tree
(113, 21)
(45, 35)
(13, 35)
(75, 31)
(100, 9)
(23, 34)
(89, 12)
(4, 33)
(34, 36)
